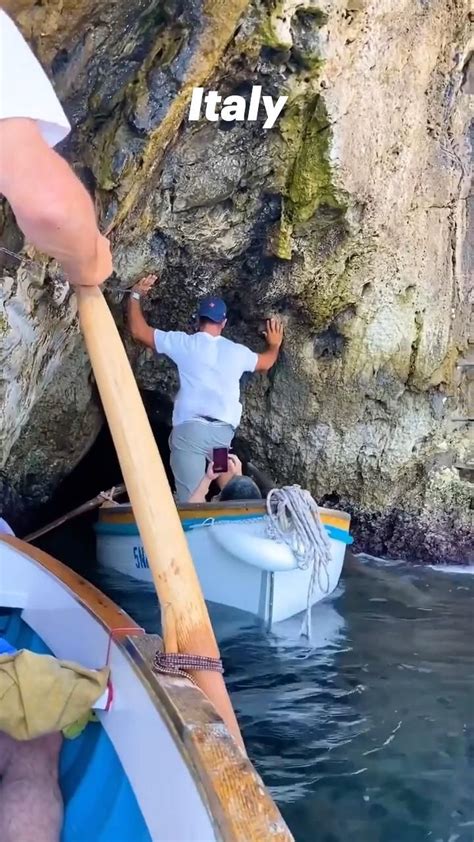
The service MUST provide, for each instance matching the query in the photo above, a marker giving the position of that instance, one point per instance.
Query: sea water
(367, 732)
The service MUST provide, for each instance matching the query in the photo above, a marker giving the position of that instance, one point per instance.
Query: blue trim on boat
(99, 803)
(339, 534)
(115, 529)
(189, 524)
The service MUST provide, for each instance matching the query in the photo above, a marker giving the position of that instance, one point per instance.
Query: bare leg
(31, 808)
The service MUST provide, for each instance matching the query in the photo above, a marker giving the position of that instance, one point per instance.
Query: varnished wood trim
(194, 511)
(112, 618)
(237, 798)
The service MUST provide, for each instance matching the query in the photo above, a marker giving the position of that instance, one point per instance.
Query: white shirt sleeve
(173, 343)
(25, 90)
(247, 358)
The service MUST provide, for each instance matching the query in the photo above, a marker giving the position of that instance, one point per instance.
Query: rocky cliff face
(350, 219)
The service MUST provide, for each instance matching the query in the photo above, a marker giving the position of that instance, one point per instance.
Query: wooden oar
(186, 624)
(92, 504)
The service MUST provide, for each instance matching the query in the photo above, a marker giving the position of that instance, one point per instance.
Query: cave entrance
(99, 469)
(74, 542)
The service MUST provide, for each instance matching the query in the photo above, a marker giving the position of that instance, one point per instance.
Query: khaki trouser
(191, 444)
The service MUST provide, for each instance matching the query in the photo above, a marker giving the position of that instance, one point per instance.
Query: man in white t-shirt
(51, 206)
(207, 408)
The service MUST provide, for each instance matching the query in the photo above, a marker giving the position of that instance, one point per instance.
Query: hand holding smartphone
(220, 459)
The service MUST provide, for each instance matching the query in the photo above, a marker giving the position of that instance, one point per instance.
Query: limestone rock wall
(350, 219)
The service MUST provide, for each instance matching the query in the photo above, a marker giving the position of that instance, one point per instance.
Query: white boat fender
(263, 553)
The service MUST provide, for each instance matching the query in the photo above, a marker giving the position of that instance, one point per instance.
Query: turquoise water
(367, 733)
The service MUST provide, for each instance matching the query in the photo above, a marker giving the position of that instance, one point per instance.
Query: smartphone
(220, 458)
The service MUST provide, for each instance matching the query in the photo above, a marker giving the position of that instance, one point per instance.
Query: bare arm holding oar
(52, 208)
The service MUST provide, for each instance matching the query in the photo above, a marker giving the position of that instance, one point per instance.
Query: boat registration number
(140, 557)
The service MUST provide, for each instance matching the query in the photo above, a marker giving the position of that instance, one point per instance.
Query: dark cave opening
(99, 470)
(74, 542)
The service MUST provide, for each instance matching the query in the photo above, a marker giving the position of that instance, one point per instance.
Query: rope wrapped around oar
(177, 664)
(293, 518)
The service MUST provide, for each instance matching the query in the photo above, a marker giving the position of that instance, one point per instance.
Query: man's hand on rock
(145, 284)
(274, 333)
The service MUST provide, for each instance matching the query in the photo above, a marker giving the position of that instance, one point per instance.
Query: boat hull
(233, 559)
(159, 745)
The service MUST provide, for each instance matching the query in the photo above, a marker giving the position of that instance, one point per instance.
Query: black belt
(215, 421)
(212, 420)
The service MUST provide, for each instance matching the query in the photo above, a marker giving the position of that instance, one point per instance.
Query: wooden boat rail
(112, 618)
(217, 509)
(237, 799)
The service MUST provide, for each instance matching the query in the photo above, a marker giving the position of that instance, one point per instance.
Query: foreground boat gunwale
(206, 740)
(113, 619)
(219, 770)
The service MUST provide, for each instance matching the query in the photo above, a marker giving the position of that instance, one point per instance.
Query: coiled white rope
(293, 518)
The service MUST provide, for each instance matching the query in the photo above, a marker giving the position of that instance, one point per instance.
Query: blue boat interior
(99, 803)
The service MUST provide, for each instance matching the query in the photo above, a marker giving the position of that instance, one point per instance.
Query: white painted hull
(166, 735)
(225, 577)
(71, 633)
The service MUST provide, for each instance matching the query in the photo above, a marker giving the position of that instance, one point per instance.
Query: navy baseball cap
(213, 309)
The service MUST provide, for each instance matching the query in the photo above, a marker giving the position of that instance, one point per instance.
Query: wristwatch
(136, 296)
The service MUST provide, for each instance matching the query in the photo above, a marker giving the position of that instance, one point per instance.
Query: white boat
(237, 564)
(159, 765)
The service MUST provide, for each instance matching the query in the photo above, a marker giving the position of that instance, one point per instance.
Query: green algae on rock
(310, 182)
(306, 132)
